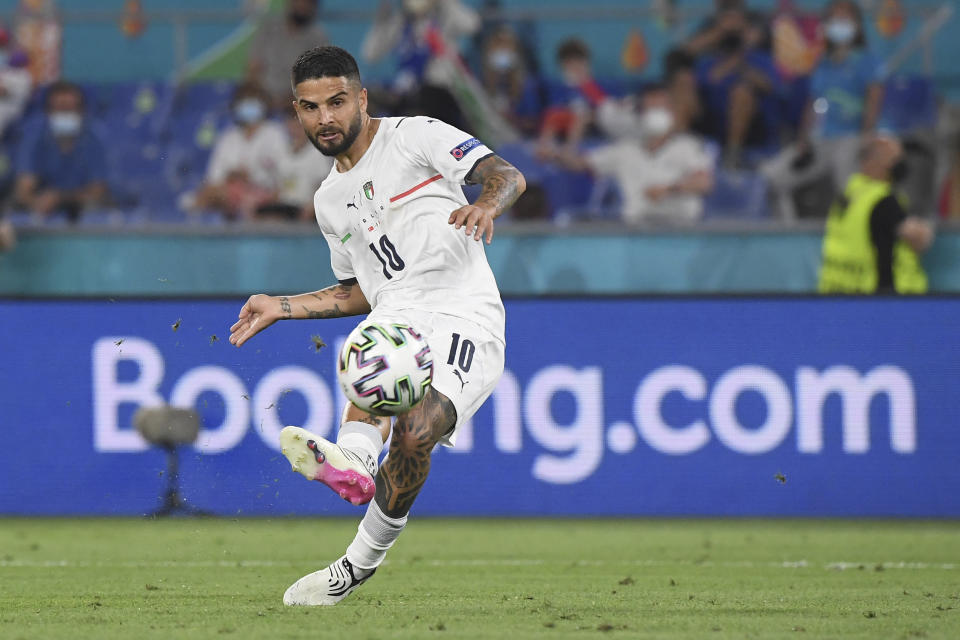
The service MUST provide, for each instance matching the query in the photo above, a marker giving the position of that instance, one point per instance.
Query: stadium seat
(737, 194)
(206, 219)
(567, 190)
(201, 97)
(20, 219)
(25, 219)
(909, 103)
(103, 218)
(142, 108)
(603, 203)
(188, 152)
(137, 170)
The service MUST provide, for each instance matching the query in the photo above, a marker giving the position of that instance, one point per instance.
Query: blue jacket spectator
(846, 88)
(737, 81)
(61, 164)
(739, 90)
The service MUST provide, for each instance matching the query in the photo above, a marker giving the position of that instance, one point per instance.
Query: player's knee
(742, 97)
(423, 427)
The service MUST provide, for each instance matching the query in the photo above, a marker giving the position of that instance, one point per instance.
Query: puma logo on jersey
(353, 203)
(463, 382)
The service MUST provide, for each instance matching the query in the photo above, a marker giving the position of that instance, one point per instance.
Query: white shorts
(467, 359)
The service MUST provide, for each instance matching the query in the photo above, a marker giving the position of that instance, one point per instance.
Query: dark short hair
(729, 5)
(64, 86)
(572, 49)
(325, 62)
(677, 60)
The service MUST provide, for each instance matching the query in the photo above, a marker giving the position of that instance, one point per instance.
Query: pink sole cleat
(316, 458)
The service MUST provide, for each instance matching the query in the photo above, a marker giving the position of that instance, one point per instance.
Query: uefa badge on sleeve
(464, 148)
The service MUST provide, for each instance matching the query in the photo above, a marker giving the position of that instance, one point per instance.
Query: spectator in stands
(301, 171)
(662, 171)
(679, 68)
(871, 243)
(413, 33)
(738, 83)
(61, 164)
(514, 91)
(572, 104)
(15, 82)
(729, 16)
(277, 42)
(244, 168)
(846, 94)
(8, 236)
(949, 201)
(38, 30)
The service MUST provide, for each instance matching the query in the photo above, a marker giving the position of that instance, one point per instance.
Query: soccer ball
(385, 368)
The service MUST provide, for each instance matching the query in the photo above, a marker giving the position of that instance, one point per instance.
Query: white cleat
(328, 586)
(316, 458)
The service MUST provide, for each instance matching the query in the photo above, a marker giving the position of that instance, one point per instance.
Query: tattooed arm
(261, 311)
(502, 185)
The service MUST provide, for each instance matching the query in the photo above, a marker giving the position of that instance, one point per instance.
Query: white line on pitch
(745, 564)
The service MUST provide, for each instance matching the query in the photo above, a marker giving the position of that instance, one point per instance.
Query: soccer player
(405, 245)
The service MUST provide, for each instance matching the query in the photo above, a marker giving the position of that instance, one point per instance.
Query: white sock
(364, 440)
(375, 535)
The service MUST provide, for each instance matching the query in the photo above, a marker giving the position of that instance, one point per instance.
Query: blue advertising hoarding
(723, 406)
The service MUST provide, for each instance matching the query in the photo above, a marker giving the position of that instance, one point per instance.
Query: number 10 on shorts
(465, 349)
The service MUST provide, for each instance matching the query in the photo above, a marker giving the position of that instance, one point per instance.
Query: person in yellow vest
(872, 244)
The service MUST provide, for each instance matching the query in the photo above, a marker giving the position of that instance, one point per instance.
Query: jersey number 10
(392, 260)
(466, 349)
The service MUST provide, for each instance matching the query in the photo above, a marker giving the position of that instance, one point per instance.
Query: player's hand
(658, 192)
(474, 220)
(258, 313)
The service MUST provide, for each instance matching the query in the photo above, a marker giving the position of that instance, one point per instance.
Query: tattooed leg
(352, 413)
(415, 434)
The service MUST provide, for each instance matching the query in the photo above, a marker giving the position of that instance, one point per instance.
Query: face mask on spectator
(841, 31)
(502, 59)
(65, 124)
(249, 111)
(572, 77)
(656, 122)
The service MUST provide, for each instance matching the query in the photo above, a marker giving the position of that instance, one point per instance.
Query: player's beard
(348, 137)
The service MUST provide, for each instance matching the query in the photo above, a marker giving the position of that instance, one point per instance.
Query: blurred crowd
(729, 128)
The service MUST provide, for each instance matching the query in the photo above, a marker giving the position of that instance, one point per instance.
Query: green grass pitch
(515, 579)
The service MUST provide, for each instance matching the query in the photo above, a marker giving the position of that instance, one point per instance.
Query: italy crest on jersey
(368, 189)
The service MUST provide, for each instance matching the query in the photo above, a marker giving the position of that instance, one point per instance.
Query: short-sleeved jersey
(386, 223)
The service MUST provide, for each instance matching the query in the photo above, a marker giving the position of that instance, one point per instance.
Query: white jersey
(386, 223)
